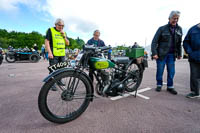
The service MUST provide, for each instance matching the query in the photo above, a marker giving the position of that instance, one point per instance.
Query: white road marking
(132, 93)
(143, 90)
(11, 75)
(142, 96)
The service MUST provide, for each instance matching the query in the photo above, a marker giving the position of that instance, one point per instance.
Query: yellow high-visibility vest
(58, 43)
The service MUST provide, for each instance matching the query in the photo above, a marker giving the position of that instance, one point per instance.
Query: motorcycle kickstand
(136, 93)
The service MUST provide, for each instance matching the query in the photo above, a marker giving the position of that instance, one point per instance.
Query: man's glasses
(60, 25)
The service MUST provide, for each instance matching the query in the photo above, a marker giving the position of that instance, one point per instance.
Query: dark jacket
(162, 41)
(191, 44)
(100, 42)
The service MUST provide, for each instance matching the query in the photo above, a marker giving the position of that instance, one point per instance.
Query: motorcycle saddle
(121, 60)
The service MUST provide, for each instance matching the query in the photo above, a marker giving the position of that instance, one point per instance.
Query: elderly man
(95, 41)
(166, 47)
(55, 42)
(191, 45)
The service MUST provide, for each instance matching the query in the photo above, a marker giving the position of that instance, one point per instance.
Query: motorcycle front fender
(55, 73)
(145, 63)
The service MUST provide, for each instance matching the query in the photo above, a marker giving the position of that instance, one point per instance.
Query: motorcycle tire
(138, 80)
(34, 58)
(1, 60)
(45, 106)
(10, 59)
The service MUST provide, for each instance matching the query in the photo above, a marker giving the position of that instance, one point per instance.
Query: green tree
(78, 43)
(22, 39)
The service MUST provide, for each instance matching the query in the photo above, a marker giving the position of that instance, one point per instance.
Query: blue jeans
(169, 60)
(46, 55)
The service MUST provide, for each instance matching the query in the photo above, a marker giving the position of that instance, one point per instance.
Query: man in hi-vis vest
(55, 42)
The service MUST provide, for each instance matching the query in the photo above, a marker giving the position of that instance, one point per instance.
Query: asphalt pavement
(159, 112)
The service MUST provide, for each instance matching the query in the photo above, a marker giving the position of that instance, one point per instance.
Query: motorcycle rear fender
(55, 73)
(144, 63)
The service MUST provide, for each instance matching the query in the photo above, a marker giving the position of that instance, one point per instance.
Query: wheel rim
(34, 58)
(62, 103)
(131, 83)
(10, 58)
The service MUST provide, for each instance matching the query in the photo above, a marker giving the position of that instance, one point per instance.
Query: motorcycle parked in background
(1, 55)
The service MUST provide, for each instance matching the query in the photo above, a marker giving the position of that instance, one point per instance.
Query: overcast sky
(120, 21)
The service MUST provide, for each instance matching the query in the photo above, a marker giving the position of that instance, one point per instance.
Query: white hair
(59, 21)
(96, 31)
(174, 13)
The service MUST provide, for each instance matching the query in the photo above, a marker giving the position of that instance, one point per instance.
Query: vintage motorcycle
(1, 55)
(75, 90)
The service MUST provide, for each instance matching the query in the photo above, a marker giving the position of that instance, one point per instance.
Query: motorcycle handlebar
(105, 48)
(97, 49)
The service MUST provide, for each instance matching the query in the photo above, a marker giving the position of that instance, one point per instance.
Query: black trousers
(195, 77)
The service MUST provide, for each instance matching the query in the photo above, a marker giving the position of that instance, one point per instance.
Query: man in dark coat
(166, 47)
(191, 45)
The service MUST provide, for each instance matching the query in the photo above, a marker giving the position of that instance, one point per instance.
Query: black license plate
(58, 66)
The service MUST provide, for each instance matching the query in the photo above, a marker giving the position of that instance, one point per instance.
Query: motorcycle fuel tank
(101, 63)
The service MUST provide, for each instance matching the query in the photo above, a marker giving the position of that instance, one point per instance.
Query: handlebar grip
(105, 48)
(88, 47)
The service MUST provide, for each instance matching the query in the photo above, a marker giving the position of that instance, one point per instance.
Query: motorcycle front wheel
(65, 97)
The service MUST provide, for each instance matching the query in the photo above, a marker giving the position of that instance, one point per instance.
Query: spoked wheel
(135, 80)
(10, 58)
(65, 97)
(34, 58)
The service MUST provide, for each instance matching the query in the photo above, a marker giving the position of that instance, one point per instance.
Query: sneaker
(54, 88)
(192, 95)
(158, 89)
(172, 91)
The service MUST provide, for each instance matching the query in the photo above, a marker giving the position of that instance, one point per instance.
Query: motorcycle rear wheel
(133, 84)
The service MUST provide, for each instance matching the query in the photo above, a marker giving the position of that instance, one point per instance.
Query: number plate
(58, 66)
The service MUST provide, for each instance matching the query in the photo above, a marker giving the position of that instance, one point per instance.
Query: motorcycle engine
(115, 88)
(112, 85)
